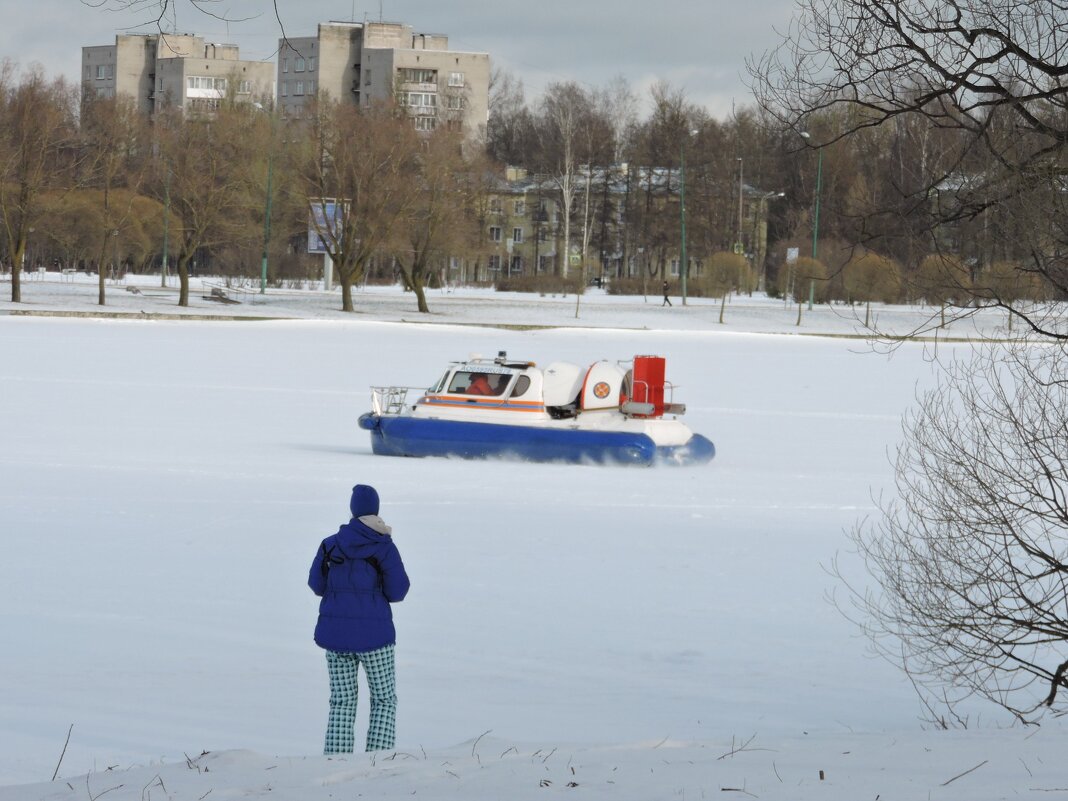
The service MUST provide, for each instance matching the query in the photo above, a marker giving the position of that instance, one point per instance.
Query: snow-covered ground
(636, 633)
(143, 296)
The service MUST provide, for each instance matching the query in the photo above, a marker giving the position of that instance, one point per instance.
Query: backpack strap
(329, 560)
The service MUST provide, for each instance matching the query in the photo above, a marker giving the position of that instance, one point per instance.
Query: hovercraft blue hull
(415, 436)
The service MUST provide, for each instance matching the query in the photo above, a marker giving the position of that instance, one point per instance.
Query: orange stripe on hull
(468, 403)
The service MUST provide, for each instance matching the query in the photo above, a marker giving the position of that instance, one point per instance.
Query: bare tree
(366, 160)
(208, 181)
(437, 224)
(986, 75)
(971, 558)
(164, 13)
(36, 155)
(560, 126)
(509, 129)
(117, 148)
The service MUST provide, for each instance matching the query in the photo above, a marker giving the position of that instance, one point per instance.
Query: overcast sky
(699, 46)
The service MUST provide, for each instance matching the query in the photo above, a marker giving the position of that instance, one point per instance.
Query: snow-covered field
(636, 633)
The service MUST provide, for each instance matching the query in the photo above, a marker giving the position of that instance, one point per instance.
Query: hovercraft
(607, 413)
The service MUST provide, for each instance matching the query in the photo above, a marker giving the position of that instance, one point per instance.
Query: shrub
(942, 279)
(871, 277)
(541, 284)
(794, 280)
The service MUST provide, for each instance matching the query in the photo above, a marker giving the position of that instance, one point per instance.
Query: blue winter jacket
(357, 572)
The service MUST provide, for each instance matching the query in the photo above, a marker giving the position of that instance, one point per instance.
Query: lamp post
(267, 205)
(166, 223)
(761, 235)
(738, 248)
(815, 212)
(681, 205)
(684, 264)
(266, 225)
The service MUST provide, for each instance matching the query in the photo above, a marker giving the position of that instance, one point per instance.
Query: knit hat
(364, 501)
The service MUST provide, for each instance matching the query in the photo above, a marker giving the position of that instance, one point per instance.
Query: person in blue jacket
(358, 573)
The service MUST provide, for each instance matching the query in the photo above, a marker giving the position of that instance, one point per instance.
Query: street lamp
(683, 264)
(166, 222)
(761, 235)
(815, 210)
(738, 247)
(115, 255)
(266, 225)
(267, 209)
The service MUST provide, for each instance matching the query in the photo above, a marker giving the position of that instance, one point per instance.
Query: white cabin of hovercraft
(563, 389)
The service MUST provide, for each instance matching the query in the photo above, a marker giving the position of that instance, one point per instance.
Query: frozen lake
(164, 485)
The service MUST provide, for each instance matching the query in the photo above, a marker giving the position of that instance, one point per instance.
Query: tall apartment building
(160, 70)
(368, 61)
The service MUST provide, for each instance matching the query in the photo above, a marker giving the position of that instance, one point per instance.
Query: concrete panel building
(361, 62)
(160, 70)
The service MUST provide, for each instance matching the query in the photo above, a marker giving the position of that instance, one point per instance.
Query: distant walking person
(358, 573)
(667, 300)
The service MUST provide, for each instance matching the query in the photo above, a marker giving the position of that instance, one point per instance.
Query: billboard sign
(324, 223)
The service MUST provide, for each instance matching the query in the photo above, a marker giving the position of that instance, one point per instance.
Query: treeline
(851, 213)
(91, 184)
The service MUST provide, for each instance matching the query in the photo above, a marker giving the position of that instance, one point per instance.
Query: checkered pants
(343, 667)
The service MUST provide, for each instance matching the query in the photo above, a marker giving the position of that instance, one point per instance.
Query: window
(285, 88)
(418, 76)
(545, 264)
(101, 72)
(298, 88)
(520, 208)
(517, 235)
(495, 205)
(494, 264)
(674, 266)
(522, 384)
(517, 265)
(244, 87)
(456, 102)
(311, 87)
(285, 65)
(311, 64)
(495, 233)
(543, 234)
(298, 66)
(456, 79)
(420, 100)
(478, 382)
(425, 123)
(206, 83)
(203, 104)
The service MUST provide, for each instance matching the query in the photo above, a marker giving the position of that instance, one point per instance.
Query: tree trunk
(420, 296)
(101, 299)
(16, 274)
(183, 279)
(346, 294)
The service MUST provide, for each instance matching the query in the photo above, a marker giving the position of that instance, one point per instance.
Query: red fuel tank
(648, 383)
